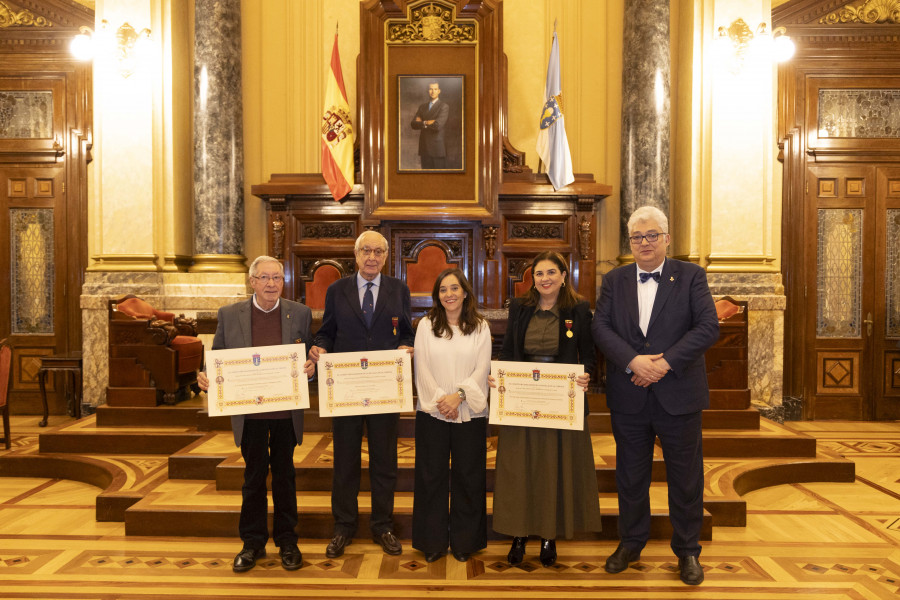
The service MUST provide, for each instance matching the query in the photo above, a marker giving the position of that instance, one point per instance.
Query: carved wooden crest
(431, 21)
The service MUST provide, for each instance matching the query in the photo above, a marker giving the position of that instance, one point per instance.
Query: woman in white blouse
(453, 361)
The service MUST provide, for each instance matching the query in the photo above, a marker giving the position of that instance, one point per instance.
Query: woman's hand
(448, 405)
(491, 381)
(203, 381)
(583, 380)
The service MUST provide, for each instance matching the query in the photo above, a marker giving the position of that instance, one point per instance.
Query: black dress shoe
(548, 552)
(517, 552)
(388, 542)
(619, 559)
(433, 556)
(691, 571)
(246, 559)
(291, 558)
(337, 544)
(461, 556)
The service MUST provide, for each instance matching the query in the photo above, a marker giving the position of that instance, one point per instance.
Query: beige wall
(725, 181)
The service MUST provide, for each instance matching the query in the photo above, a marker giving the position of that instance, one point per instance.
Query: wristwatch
(461, 393)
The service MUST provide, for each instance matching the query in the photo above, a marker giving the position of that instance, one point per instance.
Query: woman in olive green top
(546, 480)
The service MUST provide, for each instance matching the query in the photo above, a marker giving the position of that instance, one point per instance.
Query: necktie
(368, 305)
(645, 276)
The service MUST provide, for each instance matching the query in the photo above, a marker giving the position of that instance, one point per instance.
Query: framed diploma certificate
(537, 395)
(360, 383)
(258, 379)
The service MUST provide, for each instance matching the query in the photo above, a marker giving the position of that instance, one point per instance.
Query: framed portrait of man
(430, 122)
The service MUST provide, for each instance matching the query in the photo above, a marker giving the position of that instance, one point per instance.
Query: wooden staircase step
(155, 416)
(154, 516)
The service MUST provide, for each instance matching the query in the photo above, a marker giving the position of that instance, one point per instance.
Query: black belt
(545, 358)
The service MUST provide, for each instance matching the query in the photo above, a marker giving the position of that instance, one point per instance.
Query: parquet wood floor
(815, 540)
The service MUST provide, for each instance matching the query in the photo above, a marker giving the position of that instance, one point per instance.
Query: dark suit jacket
(233, 331)
(578, 349)
(344, 328)
(431, 138)
(683, 325)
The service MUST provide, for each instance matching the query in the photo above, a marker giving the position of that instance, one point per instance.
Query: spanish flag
(337, 131)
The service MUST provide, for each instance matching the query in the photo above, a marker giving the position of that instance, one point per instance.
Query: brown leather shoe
(619, 559)
(337, 544)
(690, 570)
(246, 559)
(388, 542)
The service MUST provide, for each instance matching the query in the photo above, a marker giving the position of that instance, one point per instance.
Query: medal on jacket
(569, 328)
(395, 321)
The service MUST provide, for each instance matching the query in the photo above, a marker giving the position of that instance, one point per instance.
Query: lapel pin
(671, 279)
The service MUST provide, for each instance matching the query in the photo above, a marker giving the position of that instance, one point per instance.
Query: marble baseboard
(182, 293)
(764, 294)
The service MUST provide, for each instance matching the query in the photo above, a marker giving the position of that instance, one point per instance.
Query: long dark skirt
(546, 483)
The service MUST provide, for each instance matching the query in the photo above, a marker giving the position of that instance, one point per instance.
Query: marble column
(645, 109)
(218, 137)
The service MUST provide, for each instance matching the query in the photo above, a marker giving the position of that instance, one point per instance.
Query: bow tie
(645, 276)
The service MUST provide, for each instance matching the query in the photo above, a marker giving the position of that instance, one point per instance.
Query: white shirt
(256, 304)
(361, 288)
(445, 365)
(646, 296)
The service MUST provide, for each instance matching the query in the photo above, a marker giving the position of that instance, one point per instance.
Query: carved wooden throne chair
(154, 356)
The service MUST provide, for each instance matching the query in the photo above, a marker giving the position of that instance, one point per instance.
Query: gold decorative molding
(868, 11)
(24, 18)
(218, 263)
(124, 262)
(429, 22)
(740, 263)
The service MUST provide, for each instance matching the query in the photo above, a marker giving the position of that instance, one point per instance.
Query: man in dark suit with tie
(365, 311)
(654, 321)
(430, 121)
(266, 439)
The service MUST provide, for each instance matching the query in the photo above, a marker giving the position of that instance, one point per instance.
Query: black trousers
(464, 526)
(381, 431)
(433, 162)
(265, 444)
(681, 439)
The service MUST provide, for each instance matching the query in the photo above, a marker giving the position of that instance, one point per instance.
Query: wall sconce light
(127, 45)
(742, 41)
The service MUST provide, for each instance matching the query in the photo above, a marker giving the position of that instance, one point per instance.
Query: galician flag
(337, 131)
(552, 144)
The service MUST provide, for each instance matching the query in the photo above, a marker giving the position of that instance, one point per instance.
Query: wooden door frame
(40, 50)
(844, 50)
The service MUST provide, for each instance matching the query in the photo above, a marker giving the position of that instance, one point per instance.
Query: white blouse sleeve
(426, 387)
(475, 385)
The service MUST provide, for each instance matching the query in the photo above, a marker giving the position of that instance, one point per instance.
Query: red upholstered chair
(5, 363)
(520, 287)
(154, 356)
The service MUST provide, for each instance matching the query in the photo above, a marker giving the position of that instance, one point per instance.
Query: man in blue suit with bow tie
(654, 321)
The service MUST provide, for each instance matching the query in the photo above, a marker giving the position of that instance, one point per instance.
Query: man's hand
(409, 349)
(313, 354)
(309, 368)
(431, 122)
(648, 369)
(202, 381)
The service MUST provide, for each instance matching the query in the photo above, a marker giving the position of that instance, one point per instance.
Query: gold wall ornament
(24, 18)
(868, 11)
(430, 21)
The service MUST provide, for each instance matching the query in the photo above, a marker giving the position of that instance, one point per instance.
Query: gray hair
(254, 266)
(368, 234)
(648, 213)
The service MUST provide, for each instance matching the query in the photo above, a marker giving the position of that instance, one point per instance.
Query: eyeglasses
(637, 240)
(265, 279)
(376, 252)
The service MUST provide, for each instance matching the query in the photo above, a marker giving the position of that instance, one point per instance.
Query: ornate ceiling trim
(868, 12)
(24, 18)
